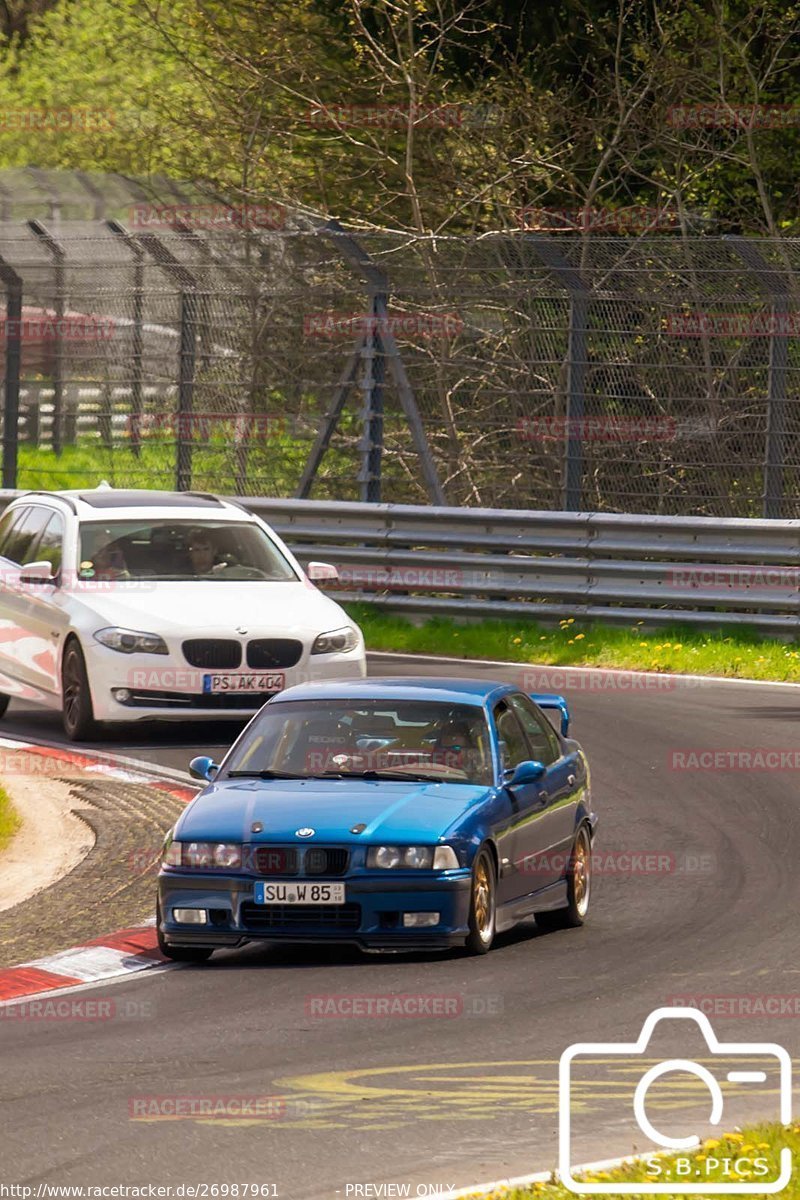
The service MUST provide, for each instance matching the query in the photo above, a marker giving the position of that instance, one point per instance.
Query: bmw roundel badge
(304, 832)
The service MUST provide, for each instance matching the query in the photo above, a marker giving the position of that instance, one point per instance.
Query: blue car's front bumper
(371, 917)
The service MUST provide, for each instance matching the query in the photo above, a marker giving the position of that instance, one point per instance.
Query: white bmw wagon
(131, 605)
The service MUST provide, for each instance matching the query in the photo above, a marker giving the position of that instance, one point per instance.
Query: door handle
(570, 780)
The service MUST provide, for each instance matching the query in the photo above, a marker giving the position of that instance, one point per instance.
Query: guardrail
(618, 568)
(615, 568)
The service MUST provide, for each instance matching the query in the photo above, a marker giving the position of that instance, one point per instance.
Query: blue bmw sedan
(395, 814)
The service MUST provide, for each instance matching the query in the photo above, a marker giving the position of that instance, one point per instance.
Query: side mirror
(525, 772)
(203, 768)
(37, 573)
(320, 572)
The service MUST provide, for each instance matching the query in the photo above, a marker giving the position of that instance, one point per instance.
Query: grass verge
(745, 654)
(9, 820)
(751, 1156)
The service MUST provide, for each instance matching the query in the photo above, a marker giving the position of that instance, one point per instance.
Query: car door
(28, 646)
(43, 610)
(548, 839)
(529, 806)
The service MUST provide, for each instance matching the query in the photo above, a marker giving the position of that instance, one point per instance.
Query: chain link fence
(548, 371)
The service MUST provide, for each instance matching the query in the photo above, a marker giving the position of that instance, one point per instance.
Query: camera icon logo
(666, 1142)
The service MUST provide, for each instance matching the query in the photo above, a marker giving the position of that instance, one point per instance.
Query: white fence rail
(612, 567)
(615, 568)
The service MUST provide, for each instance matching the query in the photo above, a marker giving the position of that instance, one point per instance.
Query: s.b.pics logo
(666, 1098)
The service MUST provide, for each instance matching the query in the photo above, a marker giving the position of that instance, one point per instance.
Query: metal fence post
(58, 256)
(183, 461)
(777, 289)
(13, 331)
(187, 352)
(369, 476)
(576, 361)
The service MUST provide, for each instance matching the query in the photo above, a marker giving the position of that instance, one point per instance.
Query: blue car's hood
(403, 810)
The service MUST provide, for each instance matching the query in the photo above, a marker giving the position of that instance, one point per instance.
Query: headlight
(335, 642)
(202, 856)
(391, 857)
(129, 641)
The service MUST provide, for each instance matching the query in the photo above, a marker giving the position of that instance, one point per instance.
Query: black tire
(190, 954)
(77, 715)
(482, 903)
(579, 888)
(4, 703)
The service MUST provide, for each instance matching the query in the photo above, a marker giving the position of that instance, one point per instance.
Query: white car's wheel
(77, 714)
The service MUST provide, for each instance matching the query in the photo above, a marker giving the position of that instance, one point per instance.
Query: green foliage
(681, 650)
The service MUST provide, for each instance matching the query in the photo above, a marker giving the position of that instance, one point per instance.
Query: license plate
(299, 893)
(256, 681)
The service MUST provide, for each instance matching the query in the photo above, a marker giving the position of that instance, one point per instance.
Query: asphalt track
(429, 1101)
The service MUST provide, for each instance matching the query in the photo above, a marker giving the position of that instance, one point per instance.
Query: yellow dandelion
(517, 641)
(642, 643)
(579, 636)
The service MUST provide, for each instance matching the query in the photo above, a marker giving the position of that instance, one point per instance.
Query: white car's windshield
(180, 550)
(391, 739)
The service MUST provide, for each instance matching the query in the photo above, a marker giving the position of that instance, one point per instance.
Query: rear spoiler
(548, 700)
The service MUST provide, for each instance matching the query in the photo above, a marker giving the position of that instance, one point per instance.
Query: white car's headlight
(130, 641)
(335, 642)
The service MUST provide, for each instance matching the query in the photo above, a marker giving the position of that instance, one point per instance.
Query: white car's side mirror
(320, 572)
(37, 572)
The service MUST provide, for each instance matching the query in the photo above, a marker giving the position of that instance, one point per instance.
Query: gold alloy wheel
(483, 898)
(581, 875)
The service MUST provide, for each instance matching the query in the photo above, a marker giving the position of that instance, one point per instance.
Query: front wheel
(579, 887)
(77, 714)
(483, 904)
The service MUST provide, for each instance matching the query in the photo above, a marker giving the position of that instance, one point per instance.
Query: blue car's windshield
(374, 739)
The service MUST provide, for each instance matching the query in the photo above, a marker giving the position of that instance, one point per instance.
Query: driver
(454, 741)
(107, 561)
(203, 552)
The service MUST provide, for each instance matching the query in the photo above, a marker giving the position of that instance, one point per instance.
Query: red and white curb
(115, 954)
